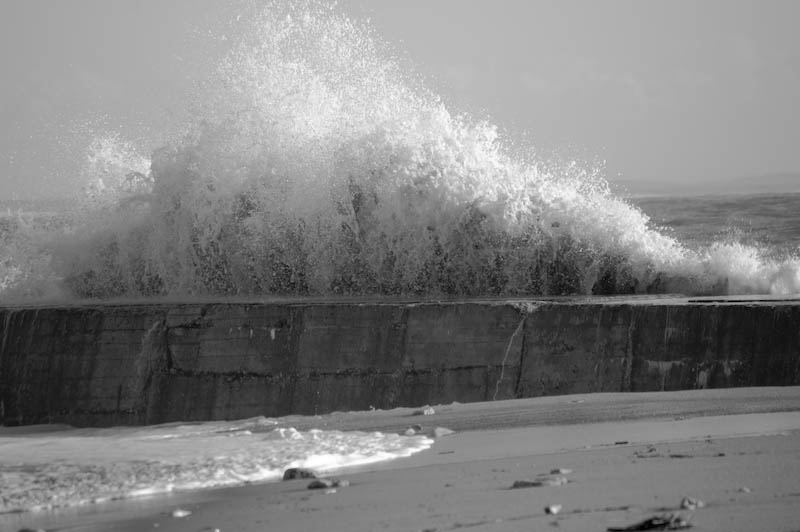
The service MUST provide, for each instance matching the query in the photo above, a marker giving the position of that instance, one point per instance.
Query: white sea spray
(314, 164)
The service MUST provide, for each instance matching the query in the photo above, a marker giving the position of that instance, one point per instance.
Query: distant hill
(776, 183)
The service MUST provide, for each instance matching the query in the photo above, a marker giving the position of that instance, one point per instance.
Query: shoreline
(632, 454)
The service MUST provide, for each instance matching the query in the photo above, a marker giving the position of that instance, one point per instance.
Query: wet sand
(631, 456)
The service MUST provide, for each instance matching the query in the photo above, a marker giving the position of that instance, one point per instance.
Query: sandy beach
(624, 458)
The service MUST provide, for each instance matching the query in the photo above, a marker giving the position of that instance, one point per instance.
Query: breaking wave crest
(315, 165)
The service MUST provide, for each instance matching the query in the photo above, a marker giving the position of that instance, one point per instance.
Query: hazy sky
(679, 92)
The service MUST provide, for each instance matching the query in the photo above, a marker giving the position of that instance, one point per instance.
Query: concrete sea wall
(153, 363)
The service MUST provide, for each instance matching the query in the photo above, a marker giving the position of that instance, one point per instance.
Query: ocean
(313, 169)
(770, 222)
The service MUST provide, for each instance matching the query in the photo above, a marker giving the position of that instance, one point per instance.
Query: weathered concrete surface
(151, 363)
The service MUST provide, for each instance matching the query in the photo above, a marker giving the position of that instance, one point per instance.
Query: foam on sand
(69, 467)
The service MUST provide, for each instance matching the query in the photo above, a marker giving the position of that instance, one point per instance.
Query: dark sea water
(768, 221)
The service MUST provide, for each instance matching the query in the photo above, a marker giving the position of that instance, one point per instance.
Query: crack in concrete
(152, 360)
(524, 309)
(628, 370)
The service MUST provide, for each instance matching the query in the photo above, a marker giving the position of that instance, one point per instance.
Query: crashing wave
(314, 165)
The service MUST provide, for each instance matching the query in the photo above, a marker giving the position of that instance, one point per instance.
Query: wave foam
(80, 466)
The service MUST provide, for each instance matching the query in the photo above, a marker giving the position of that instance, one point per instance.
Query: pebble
(410, 431)
(560, 471)
(298, 472)
(180, 512)
(553, 509)
(690, 503)
(441, 432)
(427, 411)
(745, 489)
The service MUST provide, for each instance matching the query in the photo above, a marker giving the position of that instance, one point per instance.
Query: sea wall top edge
(653, 300)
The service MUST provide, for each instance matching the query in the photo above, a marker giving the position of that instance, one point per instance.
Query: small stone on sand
(180, 512)
(410, 432)
(427, 411)
(553, 509)
(745, 489)
(690, 503)
(560, 471)
(298, 472)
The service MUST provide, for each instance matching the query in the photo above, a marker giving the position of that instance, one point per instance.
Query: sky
(674, 95)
